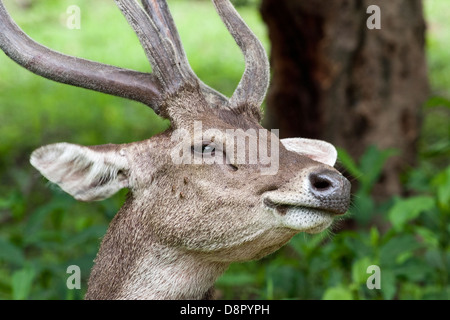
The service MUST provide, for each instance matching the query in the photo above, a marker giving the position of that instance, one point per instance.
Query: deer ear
(86, 173)
(317, 150)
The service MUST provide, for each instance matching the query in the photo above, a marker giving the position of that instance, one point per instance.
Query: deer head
(200, 197)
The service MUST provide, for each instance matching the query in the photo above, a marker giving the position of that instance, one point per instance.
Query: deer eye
(207, 149)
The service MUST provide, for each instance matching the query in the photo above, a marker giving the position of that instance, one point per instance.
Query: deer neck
(133, 264)
(171, 273)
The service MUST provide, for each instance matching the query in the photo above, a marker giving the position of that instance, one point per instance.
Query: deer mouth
(310, 218)
(282, 207)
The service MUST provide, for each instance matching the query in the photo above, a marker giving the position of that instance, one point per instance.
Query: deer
(183, 224)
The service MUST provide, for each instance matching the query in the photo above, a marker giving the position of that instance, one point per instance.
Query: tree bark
(336, 79)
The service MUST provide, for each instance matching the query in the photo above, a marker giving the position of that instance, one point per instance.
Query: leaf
(337, 293)
(35, 221)
(10, 253)
(363, 207)
(94, 232)
(437, 101)
(5, 202)
(442, 183)
(406, 210)
(429, 237)
(371, 164)
(396, 247)
(348, 163)
(415, 270)
(388, 284)
(359, 270)
(358, 248)
(374, 237)
(21, 283)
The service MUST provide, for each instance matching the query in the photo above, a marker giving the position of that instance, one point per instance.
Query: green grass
(438, 53)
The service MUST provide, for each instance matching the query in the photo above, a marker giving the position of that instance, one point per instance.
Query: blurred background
(381, 96)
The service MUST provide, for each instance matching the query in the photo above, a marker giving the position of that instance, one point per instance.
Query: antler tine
(254, 83)
(167, 64)
(142, 87)
(159, 12)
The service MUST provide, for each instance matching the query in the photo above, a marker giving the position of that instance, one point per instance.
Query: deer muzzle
(311, 204)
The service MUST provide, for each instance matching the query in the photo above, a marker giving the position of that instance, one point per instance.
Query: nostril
(320, 182)
(330, 189)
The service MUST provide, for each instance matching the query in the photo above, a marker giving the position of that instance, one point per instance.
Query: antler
(159, 13)
(254, 84)
(157, 33)
(161, 41)
(142, 87)
(168, 65)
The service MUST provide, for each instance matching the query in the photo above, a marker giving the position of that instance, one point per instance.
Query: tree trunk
(336, 79)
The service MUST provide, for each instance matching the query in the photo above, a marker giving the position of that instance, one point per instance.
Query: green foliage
(367, 173)
(438, 54)
(21, 282)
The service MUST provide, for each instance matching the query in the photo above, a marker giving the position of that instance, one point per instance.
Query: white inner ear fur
(86, 173)
(317, 150)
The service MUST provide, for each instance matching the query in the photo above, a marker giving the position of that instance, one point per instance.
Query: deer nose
(330, 187)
